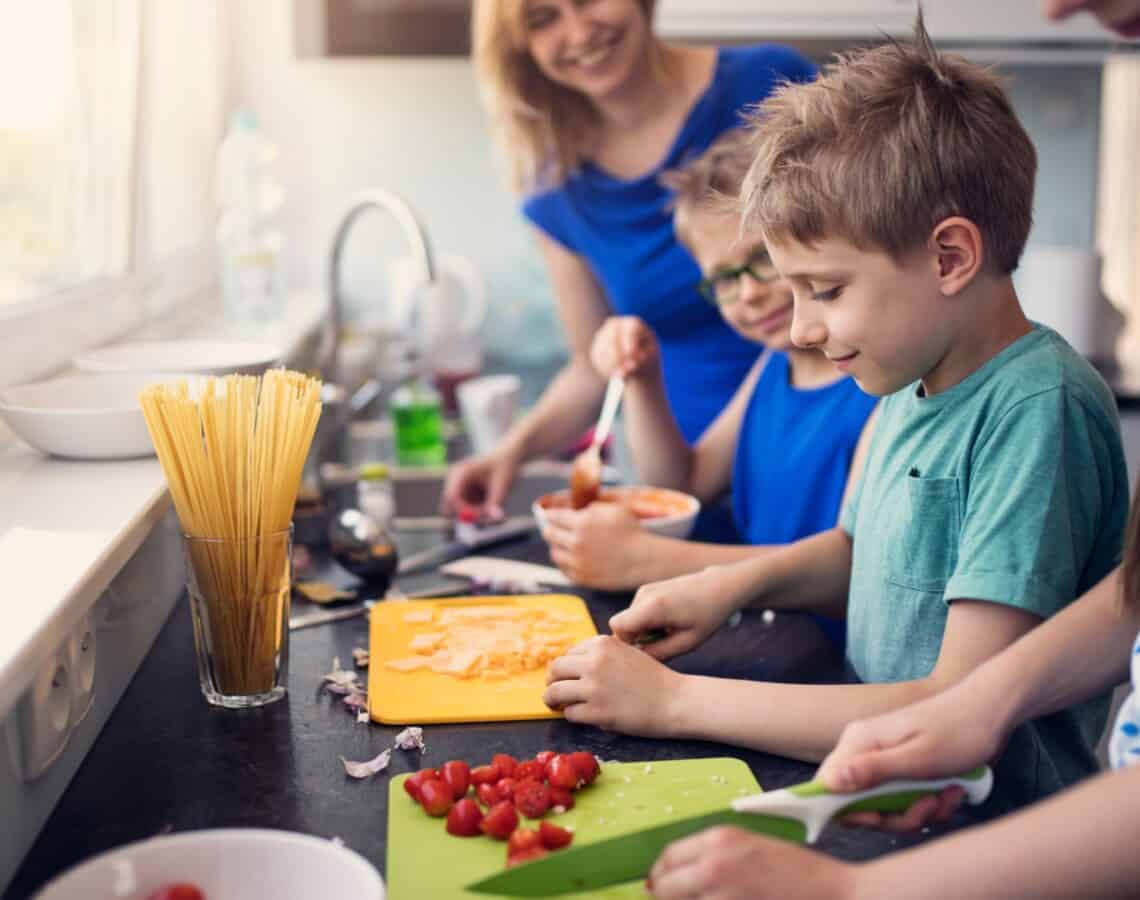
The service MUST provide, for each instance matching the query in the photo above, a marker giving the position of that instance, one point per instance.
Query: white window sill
(68, 527)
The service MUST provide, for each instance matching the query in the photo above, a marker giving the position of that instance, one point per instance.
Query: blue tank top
(793, 455)
(624, 231)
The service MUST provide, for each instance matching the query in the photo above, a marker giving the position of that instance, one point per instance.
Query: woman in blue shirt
(591, 107)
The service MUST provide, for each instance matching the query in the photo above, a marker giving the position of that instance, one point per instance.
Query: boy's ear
(958, 245)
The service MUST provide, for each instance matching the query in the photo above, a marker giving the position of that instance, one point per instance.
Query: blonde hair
(886, 144)
(710, 183)
(541, 126)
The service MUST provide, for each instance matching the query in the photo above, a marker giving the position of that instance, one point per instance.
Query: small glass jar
(374, 495)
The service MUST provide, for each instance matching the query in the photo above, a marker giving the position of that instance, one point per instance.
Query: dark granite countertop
(166, 761)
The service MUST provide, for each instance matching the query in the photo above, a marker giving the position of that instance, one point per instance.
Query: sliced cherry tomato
(456, 774)
(531, 769)
(560, 772)
(544, 757)
(561, 799)
(514, 859)
(464, 818)
(435, 797)
(554, 837)
(485, 775)
(532, 798)
(413, 782)
(523, 839)
(500, 820)
(505, 788)
(488, 794)
(587, 765)
(505, 763)
(179, 892)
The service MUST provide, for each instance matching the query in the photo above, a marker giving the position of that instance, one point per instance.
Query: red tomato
(545, 756)
(532, 769)
(587, 766)
(456, 774)
(464, 818)
(554, 837)
(560, 772)
(523, 839)
(435, 797)
(178, 892)
(505, 763)
(532, 798)
(413, 782)
(488, 794)
(505, 788)
(485, 775)
(561, 799)
(500, 821)
(514, 859)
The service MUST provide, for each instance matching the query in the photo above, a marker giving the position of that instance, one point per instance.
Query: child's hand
(734, 864)
(612, 685)
(599, 546)
(624, 346)
(687, 609)
(945, 735)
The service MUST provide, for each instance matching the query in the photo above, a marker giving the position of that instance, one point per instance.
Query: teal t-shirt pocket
(923, 551)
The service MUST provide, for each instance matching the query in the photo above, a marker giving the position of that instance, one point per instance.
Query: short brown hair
(711, 182)
(541, 126)
(887, 143)
(1130, 576)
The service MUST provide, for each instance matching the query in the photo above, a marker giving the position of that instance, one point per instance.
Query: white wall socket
(45, 715)
(81, 656)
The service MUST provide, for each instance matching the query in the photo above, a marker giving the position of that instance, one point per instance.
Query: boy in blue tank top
(784, 445)
(895, 194)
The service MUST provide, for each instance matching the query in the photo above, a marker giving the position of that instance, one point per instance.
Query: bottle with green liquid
(417, 418)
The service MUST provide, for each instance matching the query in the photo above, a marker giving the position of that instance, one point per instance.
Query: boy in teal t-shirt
(895, 196)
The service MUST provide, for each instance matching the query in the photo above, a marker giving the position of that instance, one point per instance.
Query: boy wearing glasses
(784, 445)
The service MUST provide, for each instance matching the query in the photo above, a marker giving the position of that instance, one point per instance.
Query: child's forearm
(661, 455)
(1080, 843)
(802, 721)
(657, 558)
(810, 575)
(1078, 653)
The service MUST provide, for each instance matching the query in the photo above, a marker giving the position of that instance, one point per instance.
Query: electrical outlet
(45, 715)
(81, 659)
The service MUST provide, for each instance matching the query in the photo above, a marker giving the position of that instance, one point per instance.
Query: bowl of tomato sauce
(662, 511)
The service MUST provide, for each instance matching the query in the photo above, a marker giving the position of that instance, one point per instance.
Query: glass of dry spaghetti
(233, 450)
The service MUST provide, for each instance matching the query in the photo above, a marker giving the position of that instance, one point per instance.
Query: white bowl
(82, 416)
(676, 521)
(225, 864)
(190, 357)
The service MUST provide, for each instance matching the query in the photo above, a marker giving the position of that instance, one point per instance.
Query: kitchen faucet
(398, 208)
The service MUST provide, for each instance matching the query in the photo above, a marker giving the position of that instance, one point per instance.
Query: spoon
(586, 473)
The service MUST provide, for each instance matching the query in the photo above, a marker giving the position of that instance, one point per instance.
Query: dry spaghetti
(233, 450)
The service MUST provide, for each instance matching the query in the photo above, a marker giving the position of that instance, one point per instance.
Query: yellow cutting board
(423, 697)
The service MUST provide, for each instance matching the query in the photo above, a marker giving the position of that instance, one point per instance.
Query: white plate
(224, 864)
(193, 357)
(82, 416)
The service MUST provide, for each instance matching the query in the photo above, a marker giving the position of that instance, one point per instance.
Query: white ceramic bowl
(190, 357)
(677, 512)
(224, 864)
(82, 416)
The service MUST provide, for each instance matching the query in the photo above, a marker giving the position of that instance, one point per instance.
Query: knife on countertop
(468, 537)
(797, 814)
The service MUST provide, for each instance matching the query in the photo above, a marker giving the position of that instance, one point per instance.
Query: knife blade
(466, 541)
(797, 814)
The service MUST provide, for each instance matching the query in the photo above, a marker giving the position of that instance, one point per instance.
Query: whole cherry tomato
(435, 797)
(544, 757)
(532, 798)
(485, 775)
(456, 774)
(505, 763)
(560, 772)
(554, 837)
(464, 818)
(587, 766)
(561, 799)
(531, 769)
(500, 820)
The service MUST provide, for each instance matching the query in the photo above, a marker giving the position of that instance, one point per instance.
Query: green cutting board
(424, 861)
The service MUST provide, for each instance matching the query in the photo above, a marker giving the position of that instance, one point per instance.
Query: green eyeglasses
(723, 287)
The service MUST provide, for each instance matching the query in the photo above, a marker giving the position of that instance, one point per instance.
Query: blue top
(793, 454)
(624, 231)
